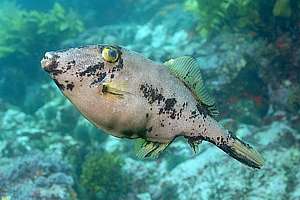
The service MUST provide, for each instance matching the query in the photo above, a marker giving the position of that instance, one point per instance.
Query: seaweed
(258, 17)
(27, 33)
(24, 37)
(103, 177)
(220, 14)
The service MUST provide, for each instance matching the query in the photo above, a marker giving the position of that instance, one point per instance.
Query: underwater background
(249, 52)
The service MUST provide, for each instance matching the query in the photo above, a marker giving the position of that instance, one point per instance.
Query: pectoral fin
(115, 87)
(147, 149)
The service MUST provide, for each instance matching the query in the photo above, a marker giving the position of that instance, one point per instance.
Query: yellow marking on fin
(116, 87)
(156, 152)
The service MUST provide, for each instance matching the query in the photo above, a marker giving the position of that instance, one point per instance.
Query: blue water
(248, 52)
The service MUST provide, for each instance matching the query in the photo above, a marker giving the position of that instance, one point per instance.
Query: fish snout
(49, 62)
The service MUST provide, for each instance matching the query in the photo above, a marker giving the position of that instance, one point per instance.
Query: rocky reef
(251, 66)
(36, 176)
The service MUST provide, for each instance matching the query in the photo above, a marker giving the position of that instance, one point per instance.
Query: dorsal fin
(188, 71)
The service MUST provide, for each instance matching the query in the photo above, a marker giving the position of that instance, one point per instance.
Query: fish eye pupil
(112, 53)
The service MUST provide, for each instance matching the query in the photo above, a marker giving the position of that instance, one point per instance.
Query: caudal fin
(243, 152)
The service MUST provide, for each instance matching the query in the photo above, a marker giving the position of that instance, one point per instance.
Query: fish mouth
(49, 62)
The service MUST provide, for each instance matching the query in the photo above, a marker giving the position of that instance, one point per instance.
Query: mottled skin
(154, 104)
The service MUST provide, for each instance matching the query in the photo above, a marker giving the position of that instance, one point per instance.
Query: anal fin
(194, 143)
(148, 149)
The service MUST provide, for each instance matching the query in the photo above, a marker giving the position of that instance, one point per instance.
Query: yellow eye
(110, 54)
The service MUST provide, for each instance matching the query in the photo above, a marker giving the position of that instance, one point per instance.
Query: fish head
(81, 70)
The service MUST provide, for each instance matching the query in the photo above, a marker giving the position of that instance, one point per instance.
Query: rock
(58, 114)
(87, 132)
(22, 133)
(232, 74)
(36, 176)
(156, 41)
(144, 196)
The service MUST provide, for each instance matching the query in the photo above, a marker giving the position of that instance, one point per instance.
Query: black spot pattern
(169, 104)
(149, 130)
(152, 94)
(70, 86)
(166, 105)
(92, 70)
(203, 110)
(100, 78)
(99, 71)
(120, 64)
(70, 64)
(56, 72)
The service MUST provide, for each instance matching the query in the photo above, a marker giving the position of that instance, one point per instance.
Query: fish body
(130, 96)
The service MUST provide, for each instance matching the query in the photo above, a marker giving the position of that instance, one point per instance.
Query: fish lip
(49, 62)
(48, 66)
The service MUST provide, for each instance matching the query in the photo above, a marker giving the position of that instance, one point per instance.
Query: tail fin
(242, 152)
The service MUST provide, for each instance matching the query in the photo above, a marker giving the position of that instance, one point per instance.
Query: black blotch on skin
(147, 115)
(52, 67)
(230, 151)
(194, 114)
(161, 110)
(169, 104)
(169, 108)
(154, 95)
(173, 114)
(151, 94)
(92, 70)
(203, 110)
(70, 86)
(70, 64)
(149, 129)
(100, 78)
(120, 64)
